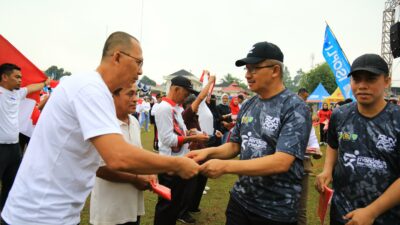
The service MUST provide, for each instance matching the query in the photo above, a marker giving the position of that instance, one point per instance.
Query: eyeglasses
(253, 69)
(138, 61)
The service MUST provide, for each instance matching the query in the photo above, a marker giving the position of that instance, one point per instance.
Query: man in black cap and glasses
(271, 135)
(364, 151)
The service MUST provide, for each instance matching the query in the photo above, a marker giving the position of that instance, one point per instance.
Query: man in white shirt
(117, 197)
(77, 127)
(145, 113)
(10, 97)
(153, 113)
(173, 141)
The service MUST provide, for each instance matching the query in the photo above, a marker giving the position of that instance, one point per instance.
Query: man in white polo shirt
(117, 197)
(76, 128)
(10, 97)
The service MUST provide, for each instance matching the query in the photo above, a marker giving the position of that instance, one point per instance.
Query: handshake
(198, 161)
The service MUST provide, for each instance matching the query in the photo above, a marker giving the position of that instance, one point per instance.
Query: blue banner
(338, 63)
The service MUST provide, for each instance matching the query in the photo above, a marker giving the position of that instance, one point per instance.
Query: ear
(4, 77)
(116, 57)
(388, 81)
(277, 72)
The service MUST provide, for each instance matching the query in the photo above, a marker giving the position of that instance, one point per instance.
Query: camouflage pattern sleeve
(295, 131)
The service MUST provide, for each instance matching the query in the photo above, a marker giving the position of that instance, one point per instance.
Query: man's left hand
(362, 216)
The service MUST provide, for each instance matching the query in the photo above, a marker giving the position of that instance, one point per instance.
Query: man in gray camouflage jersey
(271, 136)
(363, 151)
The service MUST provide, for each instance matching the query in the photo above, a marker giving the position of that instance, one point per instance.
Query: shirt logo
(385, 143)
(353, 160)
(251, 50)
(253, 143)
(270, 123)
(346, 136)
(247, 119)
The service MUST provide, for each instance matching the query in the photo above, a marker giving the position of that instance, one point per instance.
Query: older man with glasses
(76, 129)
(271, 135)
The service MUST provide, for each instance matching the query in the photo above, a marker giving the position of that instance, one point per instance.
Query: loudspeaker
(395, 39)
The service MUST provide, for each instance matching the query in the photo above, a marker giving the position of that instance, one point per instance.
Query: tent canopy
(336, 96)
(318, 95)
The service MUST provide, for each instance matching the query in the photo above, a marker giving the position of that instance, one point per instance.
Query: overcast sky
(187, 34)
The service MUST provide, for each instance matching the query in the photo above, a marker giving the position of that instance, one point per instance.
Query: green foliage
(320, 74)
(56, 73)
(229, 79)
(146, 80)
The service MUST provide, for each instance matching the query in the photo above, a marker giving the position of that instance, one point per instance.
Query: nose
(248, 75)
(363, 84)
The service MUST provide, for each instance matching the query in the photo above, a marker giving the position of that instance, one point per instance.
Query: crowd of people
(88, 141)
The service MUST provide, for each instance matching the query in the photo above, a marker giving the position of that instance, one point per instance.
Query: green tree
(56, 73)
(320, 74)
(229, 79)
(287, 80)
(146, 80)
(297, 78)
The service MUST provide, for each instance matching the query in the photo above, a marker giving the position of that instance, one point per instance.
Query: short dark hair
(189, 100)
(301, 91)
(116, 39)
(348, 100)
(7, 69)
(240, 96)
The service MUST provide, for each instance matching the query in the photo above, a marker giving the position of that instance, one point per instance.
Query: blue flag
(338, 63)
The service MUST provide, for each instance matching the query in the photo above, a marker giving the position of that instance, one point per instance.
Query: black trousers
(238, 215)
(23, 142)
(10, 158)
(167, 212)
(189, 196)
(322, 134)
(198, 192)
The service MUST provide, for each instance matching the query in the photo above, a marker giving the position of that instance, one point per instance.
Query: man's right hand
(322, 179)
(186, 167)
(201, 137)
(197, 155)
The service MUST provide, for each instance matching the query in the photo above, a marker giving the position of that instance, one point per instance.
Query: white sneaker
(207, 188)
(204, 192)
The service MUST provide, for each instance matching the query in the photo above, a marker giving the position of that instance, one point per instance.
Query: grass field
(214, 203)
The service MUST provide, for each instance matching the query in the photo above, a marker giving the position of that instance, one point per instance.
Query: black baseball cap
(261, 51)
(182, 81)
(372, 63)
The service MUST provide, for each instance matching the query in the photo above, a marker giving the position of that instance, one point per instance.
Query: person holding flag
(11, 95)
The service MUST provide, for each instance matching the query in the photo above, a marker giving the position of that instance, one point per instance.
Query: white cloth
(167, 138)
(117, 203)
(312, 143)
(145, 107)
(154, 109)
(58, 170)
(9, 108)
(313, 140)
(206, 119)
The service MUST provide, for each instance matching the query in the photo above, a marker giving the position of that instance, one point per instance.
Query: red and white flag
(204, 80)
(28, 113)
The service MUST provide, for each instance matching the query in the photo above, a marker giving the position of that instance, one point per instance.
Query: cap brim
(193, 91)
(248, 60)
(368, 69)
